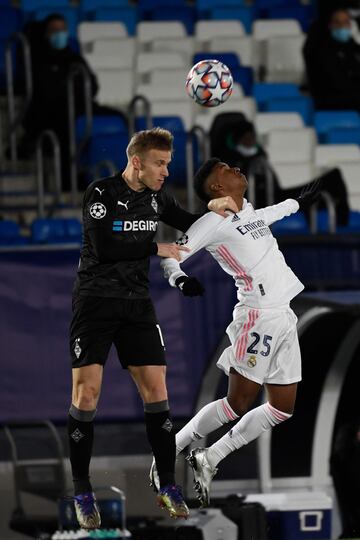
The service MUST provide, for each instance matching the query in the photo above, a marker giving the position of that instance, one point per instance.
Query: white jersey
(245, 248)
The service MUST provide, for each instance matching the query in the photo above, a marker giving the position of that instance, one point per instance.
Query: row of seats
(66, 231)
(43, 231)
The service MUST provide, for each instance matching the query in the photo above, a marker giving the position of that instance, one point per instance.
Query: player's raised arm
(273, 213)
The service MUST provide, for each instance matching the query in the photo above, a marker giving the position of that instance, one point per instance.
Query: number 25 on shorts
(266, 345)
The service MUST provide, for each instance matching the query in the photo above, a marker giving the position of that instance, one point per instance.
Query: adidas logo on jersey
(235, 218)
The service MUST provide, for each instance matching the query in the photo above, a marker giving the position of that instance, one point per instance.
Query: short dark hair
(54, 17)
(202, 175)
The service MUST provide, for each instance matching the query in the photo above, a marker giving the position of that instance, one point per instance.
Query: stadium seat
(303, 105)
(264, 92)
(184, 14)
(292, 175)
(330, 154)
(243, 46)
(283, 59)
(354, 223)
(73, 229)
(168, 80)
(88, 32)
(126, 15)
(158, 92)
(10, 234)
(351, 175)
(291, 145)
(115, 86)
(147, 31)
(207, 30)
(184, 46)
(69, 13)
(182, 109)
(48, 231)
(231, 60)
(265, 29)
(209, 4)
(343, 135)
(112, 54)
(266, 122)
(325, 120)
(150, 4)
(33, 5)
(243, 14)
(108, 142)
(295, 224)
(246, 106)
(91, 5)
(148, 61)
(10, 21)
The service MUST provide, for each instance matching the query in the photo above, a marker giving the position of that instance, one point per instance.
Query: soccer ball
(209, 83)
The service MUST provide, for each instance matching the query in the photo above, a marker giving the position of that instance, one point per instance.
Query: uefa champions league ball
(209, 83)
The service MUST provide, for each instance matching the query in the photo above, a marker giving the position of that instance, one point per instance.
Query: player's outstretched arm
(273, 213)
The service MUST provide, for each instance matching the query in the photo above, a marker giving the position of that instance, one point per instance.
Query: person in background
(242, 149)
(332, 60)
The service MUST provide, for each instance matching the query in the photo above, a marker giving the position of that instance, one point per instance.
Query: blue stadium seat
(264, 92)
(269, 4)
(301, 104)
(174, 124)
(301, 13)
(353, 225)
(69, 13)
(210, 4)
(127, 15)
(184, 14)
(343, 135)
(152, 4)
(91, 5)
(73, 230)
(291, 225)
(10, 234)
(326, 120)
(108, 143)
(48, 231)
(10, 21)
(244, 75)
(34, 5)
(243, 14)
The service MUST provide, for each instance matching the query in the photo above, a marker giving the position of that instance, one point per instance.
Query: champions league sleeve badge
(97, 210)
(182, 240)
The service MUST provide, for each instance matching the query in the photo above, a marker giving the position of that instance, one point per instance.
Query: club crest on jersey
(182, 240)
(251, 361)
(154, 203)
(97, 210)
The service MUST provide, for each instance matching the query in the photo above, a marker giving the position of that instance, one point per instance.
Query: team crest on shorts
(154, 203)
(97, 210)
(251, 361)
(77, 348)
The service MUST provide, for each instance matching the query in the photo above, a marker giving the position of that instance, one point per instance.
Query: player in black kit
(111, 304)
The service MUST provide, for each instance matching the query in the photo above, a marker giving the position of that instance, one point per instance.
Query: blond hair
(149, 139)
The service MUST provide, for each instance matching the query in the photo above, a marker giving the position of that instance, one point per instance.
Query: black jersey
(118, 239)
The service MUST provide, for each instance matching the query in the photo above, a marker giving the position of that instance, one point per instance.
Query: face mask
(341, 34)
(59, 40)
(247, 151)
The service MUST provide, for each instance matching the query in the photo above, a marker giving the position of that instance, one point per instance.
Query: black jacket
(333, 70)
(118, 238)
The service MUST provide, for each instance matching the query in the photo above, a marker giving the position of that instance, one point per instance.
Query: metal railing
(75, 148)
(52, 138)
(203, 142)
(14, 119)
(330, 206)
(132, 113)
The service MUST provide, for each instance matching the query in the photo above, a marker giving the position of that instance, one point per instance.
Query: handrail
(96, 170)
(76, 149)
(51, 136)
(204, 147)
(269, 182)
(330, 206)
(15, 120)
(132, 113)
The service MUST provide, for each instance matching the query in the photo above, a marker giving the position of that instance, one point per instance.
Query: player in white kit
(264, 343)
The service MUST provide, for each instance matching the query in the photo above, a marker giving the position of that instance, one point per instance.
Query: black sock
(161, 436)
(81, 436)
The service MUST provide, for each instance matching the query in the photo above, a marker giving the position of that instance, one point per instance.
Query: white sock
(209, 418)
(251, 425)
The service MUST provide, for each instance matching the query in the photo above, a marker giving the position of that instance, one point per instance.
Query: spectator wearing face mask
(242, 149)
(332, 59)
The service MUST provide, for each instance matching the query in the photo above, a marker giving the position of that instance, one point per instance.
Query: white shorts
(264, 345)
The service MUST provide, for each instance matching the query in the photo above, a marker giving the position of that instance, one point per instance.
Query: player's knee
(153, 393)
(239, 404)
(85, 397)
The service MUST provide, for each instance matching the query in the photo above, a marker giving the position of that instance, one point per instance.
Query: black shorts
(130, 325)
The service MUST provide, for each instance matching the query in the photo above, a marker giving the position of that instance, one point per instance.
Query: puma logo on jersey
(99, 190)
(124, 204)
